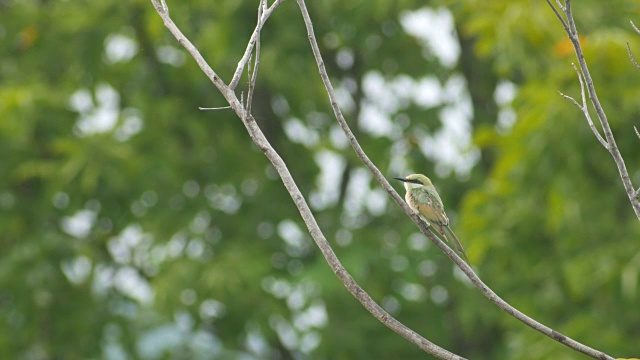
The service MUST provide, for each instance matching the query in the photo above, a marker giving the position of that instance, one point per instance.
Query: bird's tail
(456, 243)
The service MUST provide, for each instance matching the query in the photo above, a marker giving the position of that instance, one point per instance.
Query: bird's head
(415, 181)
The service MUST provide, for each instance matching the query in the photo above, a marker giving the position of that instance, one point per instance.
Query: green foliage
(553, 209)
(136, 226)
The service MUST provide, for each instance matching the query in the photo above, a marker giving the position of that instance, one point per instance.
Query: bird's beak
(401, 179)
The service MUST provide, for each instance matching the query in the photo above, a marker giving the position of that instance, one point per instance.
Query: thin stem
(633, 61)
(468, 271)
(252, 41)
(572, 33)
(314, 230)
(566, 27)
(253, 76)
(214, 108)
(635, 28)
(585, 109)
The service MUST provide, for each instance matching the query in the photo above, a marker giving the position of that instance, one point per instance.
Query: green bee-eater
(424, 200)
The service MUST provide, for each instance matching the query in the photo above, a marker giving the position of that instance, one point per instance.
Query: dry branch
(254, 75)
(585, 109)
(316, 233)
(610, 144)
(466, 269)
(633, 61)
(262, 19)
(260, 140)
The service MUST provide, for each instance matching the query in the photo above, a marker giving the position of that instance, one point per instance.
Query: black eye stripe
(413, 181)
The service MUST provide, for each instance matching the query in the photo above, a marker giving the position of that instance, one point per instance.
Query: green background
(167, 234)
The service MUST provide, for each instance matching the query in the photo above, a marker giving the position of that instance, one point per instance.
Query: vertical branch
(253, 75)
(570, 28)
(262, 19)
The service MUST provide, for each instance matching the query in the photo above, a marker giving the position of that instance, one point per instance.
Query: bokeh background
(134, 226)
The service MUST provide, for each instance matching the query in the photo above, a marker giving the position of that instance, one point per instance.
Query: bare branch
(570, 98)
(266, 12)
(164, 6)
(558, 14)
(214, 108)
(586, 114)
(585, 109)
(635, 28)
(316, 233)
(629, 47)
(254, 75)
(633, 61)
(468, 271)
(572, 33)
(637, 133)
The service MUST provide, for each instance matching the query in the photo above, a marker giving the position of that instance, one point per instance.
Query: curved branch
(261, 141)
(570, 28)
(563, 339)
(585, 109)
(633, 61)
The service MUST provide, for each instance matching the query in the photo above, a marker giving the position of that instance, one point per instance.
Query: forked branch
(585, 109)
(316, 233)
(608, 141)
(263, 15)
(260, 140)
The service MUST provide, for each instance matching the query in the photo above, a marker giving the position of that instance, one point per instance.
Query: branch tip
(633, 61)
(214, 108)
(634, 27)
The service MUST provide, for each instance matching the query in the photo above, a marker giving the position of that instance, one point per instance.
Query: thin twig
(214, 108)
(633, 61)
(566, 27)
(572, 33)
(252, 41)
(634, 27)
(585, 109)
(637, 133)
(314, 230)
(253, 75)
(629, 47)
(164, 6)
(586, 114)
(448, 251)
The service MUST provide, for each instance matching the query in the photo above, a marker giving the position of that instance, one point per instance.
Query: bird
(425, 202)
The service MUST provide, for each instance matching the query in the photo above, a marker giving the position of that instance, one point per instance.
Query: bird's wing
(431, 213)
